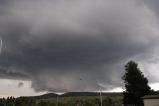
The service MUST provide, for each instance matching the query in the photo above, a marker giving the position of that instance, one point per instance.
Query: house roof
(151, 97)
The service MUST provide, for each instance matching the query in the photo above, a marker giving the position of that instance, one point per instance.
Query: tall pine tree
(136, 85)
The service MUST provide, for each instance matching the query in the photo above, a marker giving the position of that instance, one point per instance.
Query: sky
(76, 45)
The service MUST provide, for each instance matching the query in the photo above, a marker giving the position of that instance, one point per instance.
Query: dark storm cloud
(56, 43)
(153, 4)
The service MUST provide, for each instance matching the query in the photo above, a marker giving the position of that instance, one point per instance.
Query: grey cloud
(20, 84)
(56, 43)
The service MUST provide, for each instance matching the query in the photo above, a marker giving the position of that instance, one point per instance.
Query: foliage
(62, 101)
(136, 85)
(82, 101)
(22, 101)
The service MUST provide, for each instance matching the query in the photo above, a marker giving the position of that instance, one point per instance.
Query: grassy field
(62, 101)
(79, 101)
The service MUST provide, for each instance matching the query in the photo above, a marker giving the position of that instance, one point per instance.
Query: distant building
(151, 100)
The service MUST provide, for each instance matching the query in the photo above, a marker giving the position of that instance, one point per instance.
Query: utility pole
(101, 99)
(57, 100)
(1, 44)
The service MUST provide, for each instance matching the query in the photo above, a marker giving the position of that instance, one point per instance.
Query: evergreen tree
(136, 85)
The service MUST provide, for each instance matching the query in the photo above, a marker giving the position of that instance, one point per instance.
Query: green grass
(85, 100)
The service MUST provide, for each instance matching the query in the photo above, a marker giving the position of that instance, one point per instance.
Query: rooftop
(151, 97)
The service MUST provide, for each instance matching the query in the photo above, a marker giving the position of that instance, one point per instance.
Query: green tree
(136, 85)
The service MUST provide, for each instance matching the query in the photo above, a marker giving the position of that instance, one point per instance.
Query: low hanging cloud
(20, 84)
(75, 45)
